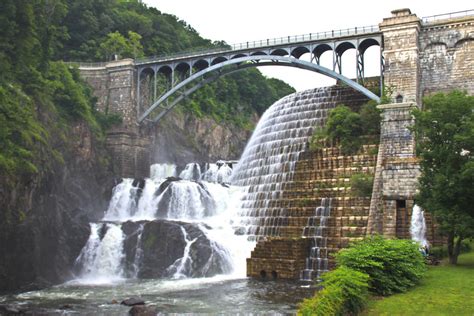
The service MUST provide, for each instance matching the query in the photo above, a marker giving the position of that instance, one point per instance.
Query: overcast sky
(248, 20)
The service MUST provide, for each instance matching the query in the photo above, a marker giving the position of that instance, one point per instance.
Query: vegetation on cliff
(444, 133)
(41, 101)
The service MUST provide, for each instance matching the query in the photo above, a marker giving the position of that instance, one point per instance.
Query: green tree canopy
(444, 133)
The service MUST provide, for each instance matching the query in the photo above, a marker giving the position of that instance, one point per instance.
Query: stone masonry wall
(401, 53)
(114, 86)
(447, 55)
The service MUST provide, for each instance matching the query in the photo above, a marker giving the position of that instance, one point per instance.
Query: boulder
(132, 301)
(142, 310)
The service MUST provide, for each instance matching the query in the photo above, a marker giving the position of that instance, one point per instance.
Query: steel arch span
(213, 72)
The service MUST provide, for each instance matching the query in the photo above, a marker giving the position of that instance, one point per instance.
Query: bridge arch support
(230, 65)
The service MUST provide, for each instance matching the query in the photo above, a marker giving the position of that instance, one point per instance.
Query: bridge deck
(303, 39)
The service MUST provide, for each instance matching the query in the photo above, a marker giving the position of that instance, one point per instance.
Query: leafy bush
(394, 265)
(361, 184)
(349, 128)
(344, 292)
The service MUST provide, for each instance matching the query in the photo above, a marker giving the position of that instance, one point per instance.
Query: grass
(445, 290)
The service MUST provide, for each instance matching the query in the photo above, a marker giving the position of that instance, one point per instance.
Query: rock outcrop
(44, 220)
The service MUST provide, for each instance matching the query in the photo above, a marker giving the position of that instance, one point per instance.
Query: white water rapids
(212, 206)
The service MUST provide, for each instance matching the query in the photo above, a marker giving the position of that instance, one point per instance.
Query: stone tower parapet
(401, 54)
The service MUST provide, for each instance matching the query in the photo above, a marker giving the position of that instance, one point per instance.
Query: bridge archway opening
(218, 60)
(258, 54)
(298, 52)
(146, 85)
(280, 52)
(200, 64)
(372, 61)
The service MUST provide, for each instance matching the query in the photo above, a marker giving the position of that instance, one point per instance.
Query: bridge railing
(445, 16)
(265, 43)
(306, 37)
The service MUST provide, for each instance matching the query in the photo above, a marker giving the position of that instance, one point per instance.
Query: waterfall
(418, 226)
(202, 212)
(192, 171)
(317, 262)
(102, 257)
(266, 168)
(218, 172)
(162, 171)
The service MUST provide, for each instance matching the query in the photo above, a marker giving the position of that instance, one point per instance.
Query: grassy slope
(446, 290)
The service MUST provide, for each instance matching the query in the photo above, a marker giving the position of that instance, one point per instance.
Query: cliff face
(45, 219)
(183, 138)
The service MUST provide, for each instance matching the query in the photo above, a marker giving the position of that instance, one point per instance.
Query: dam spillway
(298, 204)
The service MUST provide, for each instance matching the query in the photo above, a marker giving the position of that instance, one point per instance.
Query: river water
(216, 295)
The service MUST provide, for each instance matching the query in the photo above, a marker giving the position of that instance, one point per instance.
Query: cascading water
(266, 168)
(418, 226)
(317, 262)
(166, 227)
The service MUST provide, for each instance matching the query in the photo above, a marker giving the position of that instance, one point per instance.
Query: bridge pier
(114, 85)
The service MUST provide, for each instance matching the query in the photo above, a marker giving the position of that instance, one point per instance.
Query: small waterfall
(117, 246)
(102, 257)
(317, 262)
(192, 171)
(162, 171)
(218, 172)
(418, 226)
(138, 251)
(182, 267)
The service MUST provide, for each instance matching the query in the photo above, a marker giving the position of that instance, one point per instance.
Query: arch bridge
(162, 82)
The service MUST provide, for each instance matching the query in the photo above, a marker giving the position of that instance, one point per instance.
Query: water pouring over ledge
(167, 228)
(418, 227)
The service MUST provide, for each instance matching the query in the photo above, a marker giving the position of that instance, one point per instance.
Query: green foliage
(345, 291)
(444, 133)
(394, 265)
(236, 97)
(117, 45)
(348, 128)
(371, 119)
(445, 290)
(441, 252)
(20, 132)
(362, 184)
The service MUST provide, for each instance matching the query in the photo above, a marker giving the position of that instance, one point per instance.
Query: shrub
(361, 184)
(350, 129)
(345, 291)
(394, 265)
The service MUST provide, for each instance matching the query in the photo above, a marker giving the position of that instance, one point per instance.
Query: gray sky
(248, 20)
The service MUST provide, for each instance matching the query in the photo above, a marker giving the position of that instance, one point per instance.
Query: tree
(444, 133)
(118, 45)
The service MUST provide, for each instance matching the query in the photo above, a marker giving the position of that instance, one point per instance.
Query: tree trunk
(454, 248)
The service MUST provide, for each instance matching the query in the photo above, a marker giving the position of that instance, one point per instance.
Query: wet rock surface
(163, 244)
(132, 301)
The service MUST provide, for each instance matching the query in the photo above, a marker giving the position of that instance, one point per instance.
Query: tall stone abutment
(114, 86)
(421, 58)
